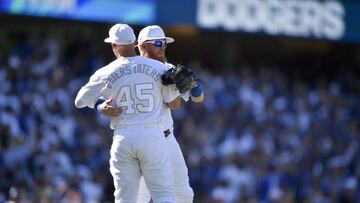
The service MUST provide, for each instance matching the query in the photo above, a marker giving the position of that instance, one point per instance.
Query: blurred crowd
(259, 136)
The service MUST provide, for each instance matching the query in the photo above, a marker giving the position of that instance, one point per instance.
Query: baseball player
(138, 149)
(152, 43)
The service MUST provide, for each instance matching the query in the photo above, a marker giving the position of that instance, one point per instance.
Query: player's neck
(127, 53)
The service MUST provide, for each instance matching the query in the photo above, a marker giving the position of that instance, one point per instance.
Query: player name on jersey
(128, 70)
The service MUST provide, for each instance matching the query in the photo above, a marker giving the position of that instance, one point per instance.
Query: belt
(147, 125)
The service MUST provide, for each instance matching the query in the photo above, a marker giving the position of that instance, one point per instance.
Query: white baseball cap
(121, 34)
(153, 32)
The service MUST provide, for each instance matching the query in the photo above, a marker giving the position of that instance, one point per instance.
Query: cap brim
(168, 40)
(112, 41)
(108, 40)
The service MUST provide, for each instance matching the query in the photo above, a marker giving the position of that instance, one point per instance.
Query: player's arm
(106, 108)
(89, 93)
(197, 93)
(171, 96)
(174, 104)
(185, 81)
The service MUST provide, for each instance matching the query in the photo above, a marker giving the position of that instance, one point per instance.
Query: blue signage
(318, 19)
(329, 20)
(126, 11)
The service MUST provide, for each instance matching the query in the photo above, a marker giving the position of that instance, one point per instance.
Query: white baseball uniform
(183, 191)
(138, 148)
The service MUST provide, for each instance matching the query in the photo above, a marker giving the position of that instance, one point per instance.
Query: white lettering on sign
(307, 18)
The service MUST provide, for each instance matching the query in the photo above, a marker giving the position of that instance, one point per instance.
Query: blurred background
(280, 122)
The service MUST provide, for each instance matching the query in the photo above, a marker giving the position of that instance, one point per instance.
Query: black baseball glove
(182, 77)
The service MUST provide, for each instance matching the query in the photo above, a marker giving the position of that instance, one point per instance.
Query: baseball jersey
(134, 84)
(167, 120)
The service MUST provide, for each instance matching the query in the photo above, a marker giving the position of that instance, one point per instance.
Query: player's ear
(144, 46)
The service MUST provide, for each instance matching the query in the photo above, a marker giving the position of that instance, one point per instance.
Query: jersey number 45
(136, 100)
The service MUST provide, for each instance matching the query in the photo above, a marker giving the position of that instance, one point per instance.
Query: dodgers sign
(308, 18)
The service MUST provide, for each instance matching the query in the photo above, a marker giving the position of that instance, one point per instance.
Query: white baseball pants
(141, 151)
(183, 191)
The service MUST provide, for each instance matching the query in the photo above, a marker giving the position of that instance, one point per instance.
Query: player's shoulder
(152, 62)
(149, 60)
(104, 71)
(100, 72)
(107, 69)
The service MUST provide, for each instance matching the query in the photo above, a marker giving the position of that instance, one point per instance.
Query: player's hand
(107, 109)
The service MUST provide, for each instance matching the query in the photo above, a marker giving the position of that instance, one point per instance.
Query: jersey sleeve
(90, 93)
(169, 93)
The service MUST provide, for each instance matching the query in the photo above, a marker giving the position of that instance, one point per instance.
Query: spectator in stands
(266, 138)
